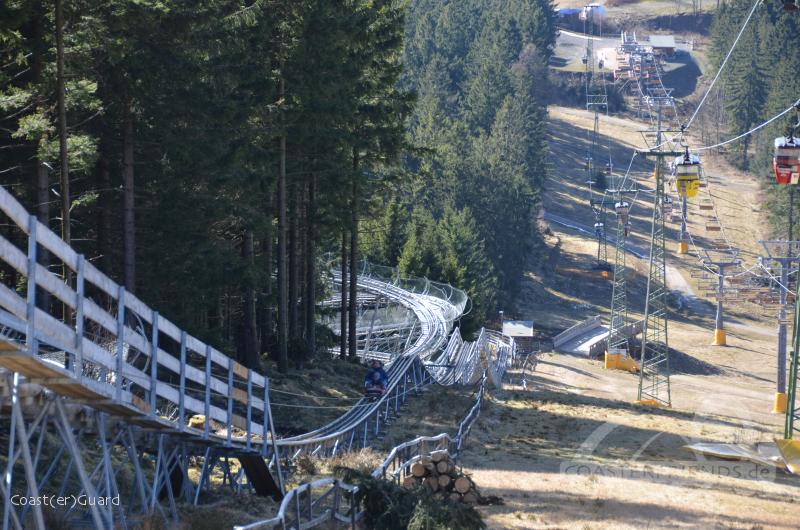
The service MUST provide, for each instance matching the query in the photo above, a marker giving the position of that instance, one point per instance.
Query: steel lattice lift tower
(617, 355)
(654, 385)
(596, 101)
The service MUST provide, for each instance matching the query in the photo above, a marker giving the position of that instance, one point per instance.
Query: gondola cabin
(787, 160)
(608, 170)
(791, 5)
(623, 208)
(687, 175)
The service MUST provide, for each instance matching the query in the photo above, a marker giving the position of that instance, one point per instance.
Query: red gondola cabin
(787, 160)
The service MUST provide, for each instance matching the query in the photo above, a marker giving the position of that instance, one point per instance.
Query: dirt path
(567, 454)
(571, 451)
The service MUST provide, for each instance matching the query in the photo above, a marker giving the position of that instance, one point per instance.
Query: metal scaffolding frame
(596, 101)
(99, 469)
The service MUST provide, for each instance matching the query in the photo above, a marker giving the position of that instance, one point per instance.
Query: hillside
(571, 450)
(314, 264)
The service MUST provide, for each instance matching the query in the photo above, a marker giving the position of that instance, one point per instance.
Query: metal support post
(683, 243)
(783, 253)
(721, 261)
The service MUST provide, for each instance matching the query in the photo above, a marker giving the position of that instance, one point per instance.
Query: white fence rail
(113, 350)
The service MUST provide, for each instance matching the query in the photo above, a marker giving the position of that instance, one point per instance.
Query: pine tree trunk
(311, 273)
(62, 132)
(343, 309)
(249, 340)
(128, 201)
(42, 195)
(353, 262)
(104, 224)
(293, 276)
(42, 172)
(43, 215)
(265, 309)
(302, 246)
(283, 358)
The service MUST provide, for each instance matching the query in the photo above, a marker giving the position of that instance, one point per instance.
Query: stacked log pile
(439, 474)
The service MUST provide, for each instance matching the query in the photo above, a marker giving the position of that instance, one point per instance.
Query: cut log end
(470, 498)
(432, 483)
(463, 485)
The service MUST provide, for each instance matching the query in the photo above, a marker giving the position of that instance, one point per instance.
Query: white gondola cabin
(787, 160)
(687, 175)
(623, 209)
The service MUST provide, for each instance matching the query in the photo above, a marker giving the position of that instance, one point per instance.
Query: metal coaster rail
(330, 500)
(110, 372)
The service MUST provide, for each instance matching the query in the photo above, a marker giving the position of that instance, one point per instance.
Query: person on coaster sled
(376, 380)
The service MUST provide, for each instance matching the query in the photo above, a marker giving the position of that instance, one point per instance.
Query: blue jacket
(384, 379)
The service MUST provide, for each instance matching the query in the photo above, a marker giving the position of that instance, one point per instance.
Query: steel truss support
(654, 383)
(617, 354)
(75, 482)
(596, 101)
(93, 469)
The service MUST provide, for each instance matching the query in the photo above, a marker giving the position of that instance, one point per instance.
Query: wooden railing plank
(13, 256)
(240, 370)
(44, 278)
(138, 307)
(169, 329)
(12, 302)
(94, 312)
(57, 334)
(49, 240)
(219, 358)
(13, 209)
(106, 284)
